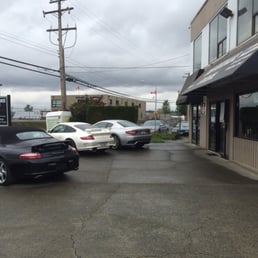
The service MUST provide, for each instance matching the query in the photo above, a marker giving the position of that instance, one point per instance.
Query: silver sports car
(126, 133)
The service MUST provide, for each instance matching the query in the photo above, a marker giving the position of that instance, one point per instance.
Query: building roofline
(202, 7)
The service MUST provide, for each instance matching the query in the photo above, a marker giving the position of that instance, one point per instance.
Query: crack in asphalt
(74, 247)
(89, 217)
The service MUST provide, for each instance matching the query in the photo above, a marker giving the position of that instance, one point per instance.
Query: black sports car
(29, 151)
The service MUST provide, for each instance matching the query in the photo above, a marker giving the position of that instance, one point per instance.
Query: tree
(166, 107)
(79, 109)
(28, 108)
(181, 109)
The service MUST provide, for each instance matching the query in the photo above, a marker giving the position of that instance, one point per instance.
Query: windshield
(151, 122)
(183, 125)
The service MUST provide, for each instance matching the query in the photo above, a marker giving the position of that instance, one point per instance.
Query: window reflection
(246, 10)
(197, 53)
(248, 116)
(218, 37)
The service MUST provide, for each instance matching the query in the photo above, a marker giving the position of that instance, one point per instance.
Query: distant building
(104, 100)
(222, 90)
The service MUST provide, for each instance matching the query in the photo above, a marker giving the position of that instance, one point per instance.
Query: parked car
(126, 133)
(28, 151)
(181, 128)
(83, 136)
(157, 126)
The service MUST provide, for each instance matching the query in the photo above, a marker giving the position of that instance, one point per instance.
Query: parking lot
(165, 200)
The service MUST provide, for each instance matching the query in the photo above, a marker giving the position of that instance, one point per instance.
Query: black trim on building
(240, 64)
(181, 100)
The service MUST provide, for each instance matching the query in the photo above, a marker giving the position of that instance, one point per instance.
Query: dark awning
(189, 81)
(239, 64)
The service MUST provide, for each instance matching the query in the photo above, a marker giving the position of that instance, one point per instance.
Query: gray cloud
(119, 34)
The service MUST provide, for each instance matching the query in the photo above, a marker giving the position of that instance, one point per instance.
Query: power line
(29, 64)
(25, 43)
(69, 78)
(29, 69)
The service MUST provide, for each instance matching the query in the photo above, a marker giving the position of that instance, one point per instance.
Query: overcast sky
(129, 46)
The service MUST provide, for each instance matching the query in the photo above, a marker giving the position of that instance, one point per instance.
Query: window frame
(252, 17)
(197, 65)
(215, 36)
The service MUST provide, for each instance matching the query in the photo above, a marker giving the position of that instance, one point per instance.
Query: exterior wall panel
(245, 152)
(204, 16)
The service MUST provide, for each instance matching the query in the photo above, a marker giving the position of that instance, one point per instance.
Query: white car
(126, 133)
(83, 136)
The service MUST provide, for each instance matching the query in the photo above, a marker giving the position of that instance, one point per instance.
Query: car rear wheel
(5, 173)
(117, 143)
(72, 143)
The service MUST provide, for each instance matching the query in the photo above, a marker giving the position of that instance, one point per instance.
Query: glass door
(213, 127)
(219, 114)
(196, 124)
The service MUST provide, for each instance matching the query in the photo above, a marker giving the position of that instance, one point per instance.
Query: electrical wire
(28, 69)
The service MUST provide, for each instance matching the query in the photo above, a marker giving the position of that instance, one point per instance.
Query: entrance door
(219, 114)
(196, 124)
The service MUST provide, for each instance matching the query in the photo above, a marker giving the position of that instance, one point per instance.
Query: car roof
(113, 120)
(16, 129)
(73, 123)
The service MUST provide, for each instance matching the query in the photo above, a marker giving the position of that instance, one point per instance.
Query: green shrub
(160, 138)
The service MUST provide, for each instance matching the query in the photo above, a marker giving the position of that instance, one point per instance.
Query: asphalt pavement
(167, 200)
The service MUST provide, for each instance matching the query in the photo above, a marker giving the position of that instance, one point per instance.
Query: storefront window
(245, 19)
(197, 54)
(196, 109)
(247, 116)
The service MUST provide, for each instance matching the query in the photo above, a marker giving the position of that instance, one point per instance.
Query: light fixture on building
(225, 12)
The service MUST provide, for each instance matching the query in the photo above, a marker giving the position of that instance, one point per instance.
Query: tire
(72, 143)
(5, 173)
(117, 145)
(139, 145)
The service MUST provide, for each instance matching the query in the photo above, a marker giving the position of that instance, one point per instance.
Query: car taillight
(87, 138)
(132, 132)
(30, 155)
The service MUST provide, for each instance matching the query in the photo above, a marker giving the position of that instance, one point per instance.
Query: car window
(101, 125)
(83, 127)
(63, 129)
(32, 135)
(125, 123)
(58, 129)
(69, 129)
(109, 125)
(152, 123)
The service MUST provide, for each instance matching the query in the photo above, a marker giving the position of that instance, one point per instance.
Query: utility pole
(60, 30)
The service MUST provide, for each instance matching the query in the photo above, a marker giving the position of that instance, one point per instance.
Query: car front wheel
(5, 173)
